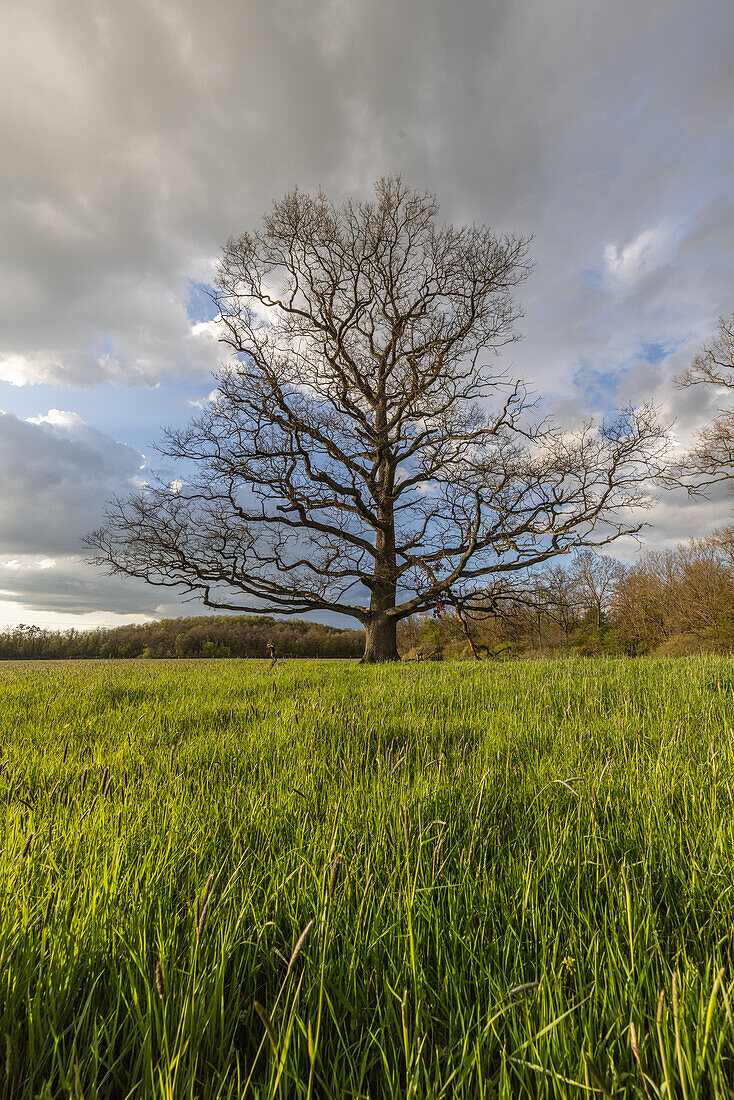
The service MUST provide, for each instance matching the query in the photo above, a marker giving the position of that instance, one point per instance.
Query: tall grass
(323, 880)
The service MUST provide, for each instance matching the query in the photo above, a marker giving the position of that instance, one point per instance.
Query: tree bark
(381, 627)
(382, 642)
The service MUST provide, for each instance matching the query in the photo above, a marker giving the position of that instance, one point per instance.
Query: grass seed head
(661, 1005)
(27, 845)
(334, 875)
(201, 913)
(299, 946)
(596, 1077)
(526, 987)
(262, 1013)
(159, 982)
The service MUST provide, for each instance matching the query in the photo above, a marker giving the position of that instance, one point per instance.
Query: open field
(468, 871)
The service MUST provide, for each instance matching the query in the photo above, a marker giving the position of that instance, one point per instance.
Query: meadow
(222, 879)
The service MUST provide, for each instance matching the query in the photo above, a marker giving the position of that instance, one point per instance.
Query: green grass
(491, 930)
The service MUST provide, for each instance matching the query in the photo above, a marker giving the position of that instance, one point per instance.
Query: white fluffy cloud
(628, 263)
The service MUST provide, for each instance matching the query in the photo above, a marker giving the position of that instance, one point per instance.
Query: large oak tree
(364, 452)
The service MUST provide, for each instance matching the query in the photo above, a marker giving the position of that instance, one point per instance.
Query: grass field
(326, 880)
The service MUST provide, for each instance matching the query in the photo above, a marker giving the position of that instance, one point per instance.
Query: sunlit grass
(534, 896)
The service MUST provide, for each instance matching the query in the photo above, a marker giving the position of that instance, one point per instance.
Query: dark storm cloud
(55, 475)
(138, 136)
(66, 586)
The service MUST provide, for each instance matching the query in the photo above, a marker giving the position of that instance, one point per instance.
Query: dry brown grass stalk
(404, 819)
(636, 1052)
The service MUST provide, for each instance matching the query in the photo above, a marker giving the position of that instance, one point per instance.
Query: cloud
(138, 137)
(67, 588)
(203, 402)
(676, 518)
(56, 472)
(148, 132)
(628, 263)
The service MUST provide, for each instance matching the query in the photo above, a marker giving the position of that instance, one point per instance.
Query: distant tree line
(668, 602)
(204, 636)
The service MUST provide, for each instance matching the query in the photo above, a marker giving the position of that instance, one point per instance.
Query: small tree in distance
(364, 453)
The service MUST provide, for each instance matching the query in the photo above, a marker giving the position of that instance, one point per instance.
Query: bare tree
(364, 454)
(555, 592)
(712, 457)
(596, 580)
(643, 604)
(705, 596)
(683, 593)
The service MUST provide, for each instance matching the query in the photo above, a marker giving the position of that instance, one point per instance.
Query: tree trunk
(382, 643)
(381, 627)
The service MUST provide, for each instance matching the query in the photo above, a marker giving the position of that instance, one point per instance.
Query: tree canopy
(365, 452)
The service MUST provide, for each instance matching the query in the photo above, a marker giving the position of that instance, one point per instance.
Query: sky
(138, 136)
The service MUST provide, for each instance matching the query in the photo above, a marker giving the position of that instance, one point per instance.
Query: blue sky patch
(199, 306)
(653, 353)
